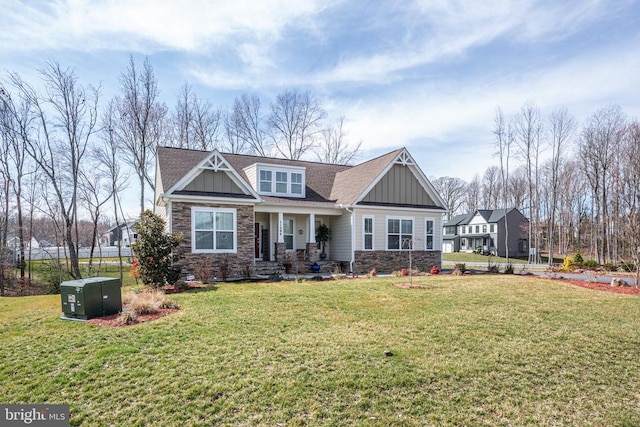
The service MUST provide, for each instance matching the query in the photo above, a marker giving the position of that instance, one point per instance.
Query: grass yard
(471, 257)
(480, 350)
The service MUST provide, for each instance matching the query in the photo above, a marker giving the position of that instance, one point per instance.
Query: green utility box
(85, 299)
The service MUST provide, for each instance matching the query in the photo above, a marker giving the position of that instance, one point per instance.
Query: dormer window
(296, 183)
(281, 182)
(265, 181)
(277, 180)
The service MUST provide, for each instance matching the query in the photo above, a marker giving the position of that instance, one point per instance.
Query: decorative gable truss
(213, 177)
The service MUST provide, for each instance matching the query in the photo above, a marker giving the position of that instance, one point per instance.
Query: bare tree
(107, 155)
(453, 191)
(631, 194)
(141, 122)
(295, 123)
(491, 187)
(333, 146)
(6, 134)
(66, 117)
(503, 132)
(245, 127)
(195, 123)
(529, 127)
(94, 192)
(598, 144)
(472, 200)
(562, 128)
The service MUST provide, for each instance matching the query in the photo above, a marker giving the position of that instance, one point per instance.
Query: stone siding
(388, 261)
(239, 263)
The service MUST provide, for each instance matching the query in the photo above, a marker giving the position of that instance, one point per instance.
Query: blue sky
(427, 75)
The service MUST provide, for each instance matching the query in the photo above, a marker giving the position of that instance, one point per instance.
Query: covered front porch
(482, 243)
(286, 236)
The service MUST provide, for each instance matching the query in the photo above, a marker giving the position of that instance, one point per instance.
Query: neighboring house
(251, 209)
(485, 230)
(14, 244)
(123, 234)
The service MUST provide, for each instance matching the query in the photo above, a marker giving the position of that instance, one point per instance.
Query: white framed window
(288, 234)
(265, 181)
(491, 228)
(399, 233)
(213, 230)
(281, 182)
(367, 233)
(428, 233)
(296, 183)
(484, 228)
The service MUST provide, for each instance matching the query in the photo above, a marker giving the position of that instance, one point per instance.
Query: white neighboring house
(123, 234)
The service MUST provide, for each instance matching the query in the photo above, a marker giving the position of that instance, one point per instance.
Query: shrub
(435, 270)
(144, 306)
(609, 267)
(247, 270)
(148, 301)
(508, 269)
(223, 268)
(590, 263)
(628, 267)
(155, 251)
(180, 286)
(459, 269)
(577, 258)
(566, 265)
(127, 318)
(203, 270)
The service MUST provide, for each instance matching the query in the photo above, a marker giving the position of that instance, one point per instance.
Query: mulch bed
(627, 290)
(111, 321)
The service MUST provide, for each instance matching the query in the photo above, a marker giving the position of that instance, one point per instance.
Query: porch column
(280, 249)
(311, 247)
(312, 228)
(280, 227)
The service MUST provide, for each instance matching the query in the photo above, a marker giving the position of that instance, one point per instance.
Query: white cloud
(462, 115)
(144, 24)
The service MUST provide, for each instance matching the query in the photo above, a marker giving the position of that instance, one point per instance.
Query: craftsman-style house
(253, 210)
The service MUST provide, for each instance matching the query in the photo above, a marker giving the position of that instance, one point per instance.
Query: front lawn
(479, 350)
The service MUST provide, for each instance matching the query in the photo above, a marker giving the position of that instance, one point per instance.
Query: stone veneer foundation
(239, 263)
(386, 262)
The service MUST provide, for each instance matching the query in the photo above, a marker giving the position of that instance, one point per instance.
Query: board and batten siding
(214, 182)
(380, 227)
(399, 186)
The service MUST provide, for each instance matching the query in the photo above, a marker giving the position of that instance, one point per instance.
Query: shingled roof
(325, 183)
(352, 182)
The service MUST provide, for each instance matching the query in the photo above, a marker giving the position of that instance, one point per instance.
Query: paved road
(540, 270)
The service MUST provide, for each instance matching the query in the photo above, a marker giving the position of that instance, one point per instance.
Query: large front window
(399, 234)
(213, 230)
